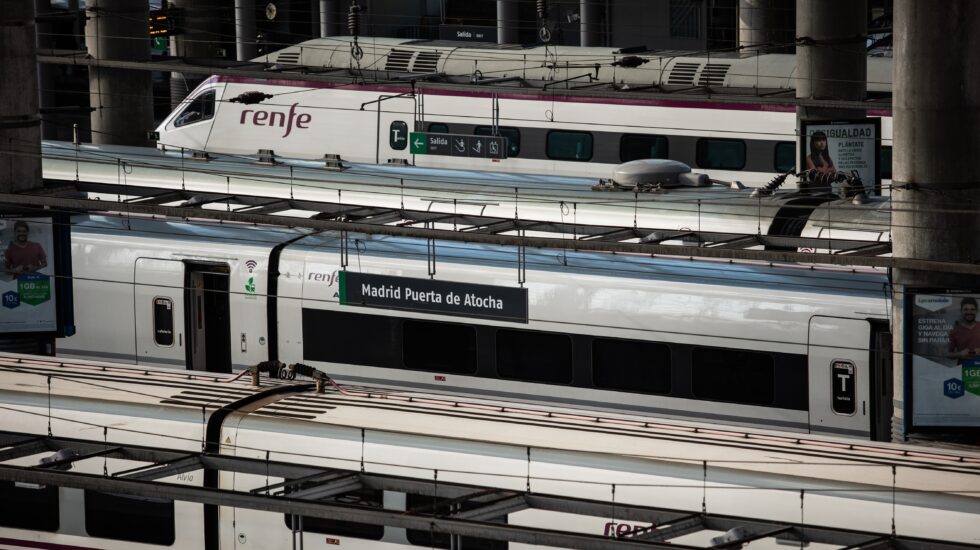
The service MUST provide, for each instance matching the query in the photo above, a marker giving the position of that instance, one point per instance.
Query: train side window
(734, 376)
(440, 507)
(438, 128)
(439, 347)
(163, 321)
(201, 108)
(534, 356)
(885, 161)
(377, 336)
(129, 518)
(24, 506)
(631, 365)
(512, 134)
(368, 498)
(564, 145)
(398, 135)
(723, 154)
(785, 158)
(642, 146)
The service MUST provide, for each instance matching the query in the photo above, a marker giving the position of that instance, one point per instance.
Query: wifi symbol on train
(250, 265)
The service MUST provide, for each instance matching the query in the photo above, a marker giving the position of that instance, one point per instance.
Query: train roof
(176, 169)
(540, 64)
(808, 279)
(867, 283)
(94, 386)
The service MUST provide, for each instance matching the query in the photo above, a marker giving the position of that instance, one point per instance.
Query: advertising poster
(844, 146)
(27, 282)
(944, 338)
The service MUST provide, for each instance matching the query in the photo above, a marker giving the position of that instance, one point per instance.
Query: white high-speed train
(416, 465)
(744, 344)
(549, 128)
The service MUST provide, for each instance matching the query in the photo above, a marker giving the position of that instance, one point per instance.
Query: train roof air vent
(683, 74)
(291, 58)
(426, 62)
(398, 60)
(657, 173)
(713, 74)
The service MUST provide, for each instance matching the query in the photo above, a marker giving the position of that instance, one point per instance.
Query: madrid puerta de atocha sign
(429, 296)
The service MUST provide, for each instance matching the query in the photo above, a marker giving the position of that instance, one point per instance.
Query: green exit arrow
(419, 143)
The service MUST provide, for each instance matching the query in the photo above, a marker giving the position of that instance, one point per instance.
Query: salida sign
(277, 119)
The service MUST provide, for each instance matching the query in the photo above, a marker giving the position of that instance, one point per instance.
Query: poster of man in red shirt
(27, 277)
(23, 255)
(964, 339)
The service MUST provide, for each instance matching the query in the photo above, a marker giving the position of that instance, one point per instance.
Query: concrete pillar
(831, 61)
(122, 99)
(936, 110)
(201, 40)
(507, 22)
(590, 30)
(20, 125)
(46, 73)
(329, 19)
(767, 26)
(245, 46)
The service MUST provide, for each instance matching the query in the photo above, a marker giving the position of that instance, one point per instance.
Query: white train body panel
(929, 493)
(118, 270)
(649, 307)
(138, 300)
(309, 120)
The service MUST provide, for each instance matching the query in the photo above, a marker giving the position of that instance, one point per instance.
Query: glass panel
(639, 146)
(885, 161)
(785, 156)
(434, 505)
(368, 498)
(24, 506)
(631, 366)
(724, 154)
(685, 19)
(163, 321)
(439, 347)
(733, 376)
(130, 518)
(534, 356)
(201, 108)
(438, 128)
(569, 145)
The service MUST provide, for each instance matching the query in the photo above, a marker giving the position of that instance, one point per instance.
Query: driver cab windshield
(201, 108)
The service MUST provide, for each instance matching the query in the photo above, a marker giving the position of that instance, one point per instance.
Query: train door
(208, 317)
(841, 401)
(159, 309)
(395, 120)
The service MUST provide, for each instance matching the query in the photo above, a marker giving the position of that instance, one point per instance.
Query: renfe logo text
(277, 118)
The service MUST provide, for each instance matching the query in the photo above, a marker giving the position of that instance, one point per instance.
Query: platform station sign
(458, 145)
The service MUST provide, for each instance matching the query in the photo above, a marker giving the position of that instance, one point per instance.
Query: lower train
(730, 343)
(411, 455)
